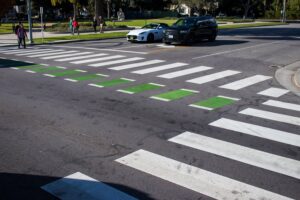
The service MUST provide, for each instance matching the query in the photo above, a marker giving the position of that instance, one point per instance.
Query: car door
(203, 28)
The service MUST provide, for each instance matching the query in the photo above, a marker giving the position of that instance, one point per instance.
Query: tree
(247, 4)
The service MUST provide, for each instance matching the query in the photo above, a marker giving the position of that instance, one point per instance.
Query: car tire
(150, 38)
(212, 38)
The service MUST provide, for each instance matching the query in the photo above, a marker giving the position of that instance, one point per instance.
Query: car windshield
(150, 26)
(184, 22)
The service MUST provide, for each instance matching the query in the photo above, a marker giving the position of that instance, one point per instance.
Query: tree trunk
(97, 10)
(74, 9)
(246, 7)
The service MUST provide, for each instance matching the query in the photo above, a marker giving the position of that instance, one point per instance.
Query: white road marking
(29, 71)
(278, 164)
(116, 62)
(134, 65)
(37, 52)
(66, 55)
(156, 84)
(235, 99)
(95, 85)
(49, 75)
(273, 92)
(236, 85)
(103, 49)
(159, 68)
(97, 59)
(184, 72)
(79, 70)
(159, 98)
(188, 90)
(280, 104)
(18, 51)
(194, 178)
(201, 107)
(79, 186)
(234, 50)
(213, 77)
(258, 131)
(271, 116)
(125, 91)
(58, 52)
(81, 57)
(71, 80)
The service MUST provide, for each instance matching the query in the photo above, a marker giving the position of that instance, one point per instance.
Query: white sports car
(148, 33)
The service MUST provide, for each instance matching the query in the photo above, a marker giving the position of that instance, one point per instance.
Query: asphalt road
(232, 143)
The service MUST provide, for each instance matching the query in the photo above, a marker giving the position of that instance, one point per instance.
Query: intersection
(207, 121)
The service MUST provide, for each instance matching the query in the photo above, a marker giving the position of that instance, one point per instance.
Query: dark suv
(191, 29)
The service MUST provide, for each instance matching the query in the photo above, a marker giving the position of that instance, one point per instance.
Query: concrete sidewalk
(289, 77)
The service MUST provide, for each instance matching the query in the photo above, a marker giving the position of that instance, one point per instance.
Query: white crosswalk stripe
(116, 62)
(159, 68)
(280, 104)
(36, 52)
(184, 72)
(237, 85)
(9, 51)
(97, 59)
(65, 55)
(213, 77)
(271, 116)
(58, 52)
(258, 131)
(135, 65)
(273, 92)
(239, 153)
(194, 178)
(81, 57)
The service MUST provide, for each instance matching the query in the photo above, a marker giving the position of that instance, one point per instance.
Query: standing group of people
(101, 24)
(73, 26)
(21, 34)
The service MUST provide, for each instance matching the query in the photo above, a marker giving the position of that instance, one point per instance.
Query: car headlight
(183, 31)
(142, 33)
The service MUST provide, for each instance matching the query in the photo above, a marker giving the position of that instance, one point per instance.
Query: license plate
(171, 36)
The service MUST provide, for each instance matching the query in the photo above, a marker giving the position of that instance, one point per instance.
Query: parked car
(191, 29)
(149, 33)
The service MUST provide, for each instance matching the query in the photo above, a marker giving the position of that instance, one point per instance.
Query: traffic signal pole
(29, 21)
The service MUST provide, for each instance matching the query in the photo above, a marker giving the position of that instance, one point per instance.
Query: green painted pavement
(30, 66)
(113, 82)
(214, 102)
(87, 77)
(64, 73)
(174, 95)
(141, 88)
(42, 69)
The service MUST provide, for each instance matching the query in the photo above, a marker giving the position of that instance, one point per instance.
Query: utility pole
(284, 11)
(29, 21)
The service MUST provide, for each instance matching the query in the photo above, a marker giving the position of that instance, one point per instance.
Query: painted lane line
(234, 50)
(79, 70)
(159, 68)
(37, 52)
(45, 64)
(160, 99)
(79, 186)
(71, 80)
(258, 131)
(97, 59)
(116, 62)
(240, 84)
(271, 116)
(95, 85)
(280, 104)
(184, 72)
(201, 107)
(61, 67)
(261, 159)
(15, 68)
(81, 57)
(188, 90)
(156, 84)
(18, 51)
(102, 75)
(213, 77)
(135, 65)
(273, 92)
(127, 79)
(65, 55)
(97, 49)
(29, 71)
(59, 52)
(29, 62)
(226, 97)
(49, 75)
(202, 181)
(125, 91)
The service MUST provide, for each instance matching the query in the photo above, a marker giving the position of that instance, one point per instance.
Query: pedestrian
(71, 25)
(21, 33)
(75, 26)
(95, 24)
(17, 27)
(102, 23)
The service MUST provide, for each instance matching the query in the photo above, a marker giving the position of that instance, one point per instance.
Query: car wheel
(150, 38)
(212, 38)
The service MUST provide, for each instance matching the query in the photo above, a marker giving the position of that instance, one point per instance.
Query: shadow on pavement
(22, 186)
(218, 43)
(5, 63)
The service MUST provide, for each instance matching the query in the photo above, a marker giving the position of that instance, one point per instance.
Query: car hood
(138, 31)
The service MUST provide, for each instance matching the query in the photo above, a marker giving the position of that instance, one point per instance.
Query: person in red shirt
(21, 33)
(75, 26)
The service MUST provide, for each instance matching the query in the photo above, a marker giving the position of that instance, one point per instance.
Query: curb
(296, 78)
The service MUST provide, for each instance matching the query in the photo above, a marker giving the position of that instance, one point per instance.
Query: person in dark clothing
(21, 33)
(17, 27)
(95, 24)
